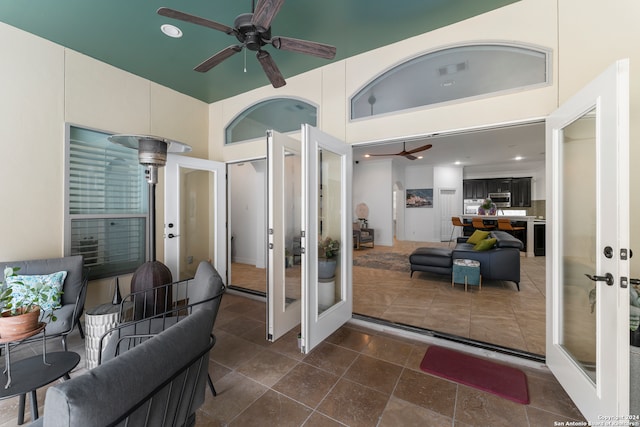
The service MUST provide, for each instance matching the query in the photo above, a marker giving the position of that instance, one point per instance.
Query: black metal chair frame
(133, 313)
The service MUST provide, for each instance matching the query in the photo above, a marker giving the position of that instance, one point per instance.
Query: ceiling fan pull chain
(245, 60)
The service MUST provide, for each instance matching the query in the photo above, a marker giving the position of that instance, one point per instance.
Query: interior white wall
(373, 185)
(246, 207)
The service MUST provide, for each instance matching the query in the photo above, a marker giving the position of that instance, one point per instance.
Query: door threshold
(452, 341)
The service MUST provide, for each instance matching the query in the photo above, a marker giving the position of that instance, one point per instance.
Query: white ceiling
(485, 149)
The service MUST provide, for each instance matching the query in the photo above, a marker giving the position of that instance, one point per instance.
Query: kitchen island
(521, 218)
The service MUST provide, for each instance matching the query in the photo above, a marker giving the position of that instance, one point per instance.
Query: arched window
(280, 114)
(452, 74)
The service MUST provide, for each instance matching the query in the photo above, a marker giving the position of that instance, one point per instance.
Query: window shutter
(107, 204)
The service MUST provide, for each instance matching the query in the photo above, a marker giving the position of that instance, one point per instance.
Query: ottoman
(432, 260)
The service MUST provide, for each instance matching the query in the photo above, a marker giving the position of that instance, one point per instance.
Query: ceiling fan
(253, 31)
(404, 153)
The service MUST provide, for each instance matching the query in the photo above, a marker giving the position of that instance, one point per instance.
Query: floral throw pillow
(21, 283)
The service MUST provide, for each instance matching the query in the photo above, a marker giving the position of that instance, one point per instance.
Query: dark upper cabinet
(520, 189)
(498, 185)
(474, 188)
(521, 192)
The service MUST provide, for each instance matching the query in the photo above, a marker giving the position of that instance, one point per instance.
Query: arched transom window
(450, 74)
(280, 114)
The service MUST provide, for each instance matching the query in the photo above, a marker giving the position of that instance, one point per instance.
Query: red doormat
(504, 381)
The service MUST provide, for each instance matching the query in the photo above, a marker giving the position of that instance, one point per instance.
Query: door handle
(171, 235)
(634, 281)
(607, 278)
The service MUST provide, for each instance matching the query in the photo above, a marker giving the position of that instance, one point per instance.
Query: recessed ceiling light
(420, 157)
(367, 155)
(518, 158)
(171, 31)
(458, 162)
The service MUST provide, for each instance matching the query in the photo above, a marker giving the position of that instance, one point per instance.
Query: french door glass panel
(587, 234)
(284, 171)
(579, 243)
(195, 215)
(327, 301)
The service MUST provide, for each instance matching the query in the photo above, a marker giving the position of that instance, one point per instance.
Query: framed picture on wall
(420, 198)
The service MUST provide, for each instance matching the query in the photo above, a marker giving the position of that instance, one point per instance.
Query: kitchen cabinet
(521, 192)
(498, 185)
(474, 188)
(539, 239)
(520, 189)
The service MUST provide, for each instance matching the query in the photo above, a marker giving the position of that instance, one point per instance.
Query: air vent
(452, 68)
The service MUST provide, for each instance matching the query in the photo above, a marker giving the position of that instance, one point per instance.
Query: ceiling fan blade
(175, 14)
(417, 150)
(382, 155)
(218, 58)
(265, 11)
(270, 68)
(303, 46)
(410, 157)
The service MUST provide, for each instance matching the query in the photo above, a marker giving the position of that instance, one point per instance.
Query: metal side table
(31, 374)
(466, 271)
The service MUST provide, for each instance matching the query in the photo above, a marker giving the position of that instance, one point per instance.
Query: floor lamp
(152, 153)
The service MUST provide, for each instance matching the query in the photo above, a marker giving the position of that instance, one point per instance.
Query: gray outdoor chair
(74, 292)
(159, 383)
(203, 292)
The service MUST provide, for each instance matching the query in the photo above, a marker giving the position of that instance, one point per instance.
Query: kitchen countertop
(495, 217)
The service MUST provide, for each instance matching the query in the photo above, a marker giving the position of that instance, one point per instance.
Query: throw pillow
(485, 245)
(477, 236)
(56, 280)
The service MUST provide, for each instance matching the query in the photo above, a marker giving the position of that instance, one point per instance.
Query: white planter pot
(326, 293)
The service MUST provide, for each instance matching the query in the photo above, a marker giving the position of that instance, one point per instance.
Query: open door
(587, 259)
(284, 223)
(327, 297)
(195, 215)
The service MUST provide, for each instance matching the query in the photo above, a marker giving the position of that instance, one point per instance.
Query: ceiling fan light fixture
(171, 31)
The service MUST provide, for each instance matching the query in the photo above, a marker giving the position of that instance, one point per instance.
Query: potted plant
(488, 208)
(327, 251)
(19, 316)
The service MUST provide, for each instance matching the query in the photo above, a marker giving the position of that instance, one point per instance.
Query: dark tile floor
(357, 377)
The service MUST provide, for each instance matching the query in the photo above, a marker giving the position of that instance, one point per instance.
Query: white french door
(587, 258)
(284, 223)
(327, 213)
(195, 215)
(309, 187)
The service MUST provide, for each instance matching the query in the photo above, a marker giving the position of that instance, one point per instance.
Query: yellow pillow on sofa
(485, 245)
(477, 236)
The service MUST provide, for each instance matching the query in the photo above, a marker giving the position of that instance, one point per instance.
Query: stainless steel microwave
(502, 200)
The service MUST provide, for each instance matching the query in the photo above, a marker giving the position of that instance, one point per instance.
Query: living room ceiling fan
(253, 31)
(407, 154)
